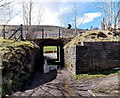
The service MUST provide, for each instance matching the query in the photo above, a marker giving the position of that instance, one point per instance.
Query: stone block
(93, 55)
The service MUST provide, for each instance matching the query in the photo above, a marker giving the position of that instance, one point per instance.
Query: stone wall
(70, 58)
(93, 56)
(18, 62)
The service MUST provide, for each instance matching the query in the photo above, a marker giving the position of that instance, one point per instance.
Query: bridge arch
(60, 52)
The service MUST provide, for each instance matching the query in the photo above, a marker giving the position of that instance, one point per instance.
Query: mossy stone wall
(18, 62)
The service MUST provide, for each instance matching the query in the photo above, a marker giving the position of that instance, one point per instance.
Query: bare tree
(40, 16)
(110, 12)
(27, 10)
(61, 17)
(3, 4)
(75, 15)
(6, 12)
(117, 16)
(77, 21)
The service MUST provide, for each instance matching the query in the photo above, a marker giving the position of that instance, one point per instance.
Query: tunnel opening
(51, 58)
(52, 51)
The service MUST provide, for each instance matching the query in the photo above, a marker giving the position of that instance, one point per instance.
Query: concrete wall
(92, 56)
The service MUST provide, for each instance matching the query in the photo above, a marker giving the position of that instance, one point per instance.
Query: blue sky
(60, 13)
(83, 8)
(88, 7)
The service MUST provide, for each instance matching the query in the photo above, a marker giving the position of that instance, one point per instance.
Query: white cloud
(91, 16)
(74, 0)
(88, 17)
(51, 14)
(65, 10)
(67, 0)
(50, 18)
(17, 20)
(54, 17)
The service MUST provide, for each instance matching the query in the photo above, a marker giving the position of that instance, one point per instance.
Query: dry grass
(89, 36)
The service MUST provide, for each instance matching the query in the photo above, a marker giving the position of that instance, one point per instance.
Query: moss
(5, 42)
(86, 76)
(17, 67)
(91, 36)
(0, 88)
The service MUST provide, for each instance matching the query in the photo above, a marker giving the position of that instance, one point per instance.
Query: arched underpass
(60, 52)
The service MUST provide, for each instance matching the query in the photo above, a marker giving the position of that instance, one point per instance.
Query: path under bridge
(59, 43)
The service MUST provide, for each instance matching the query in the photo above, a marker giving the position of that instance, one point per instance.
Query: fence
(21, 32)
(56, 33)
(13, 34)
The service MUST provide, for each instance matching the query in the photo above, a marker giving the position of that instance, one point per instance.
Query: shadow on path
(39, 78)
(55, 83)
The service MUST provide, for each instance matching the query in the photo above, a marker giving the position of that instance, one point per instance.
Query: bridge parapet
(43, 31)
(57, 33)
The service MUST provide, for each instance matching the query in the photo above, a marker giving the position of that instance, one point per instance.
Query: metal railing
(44, 33)
(7, 35)
(38, 32)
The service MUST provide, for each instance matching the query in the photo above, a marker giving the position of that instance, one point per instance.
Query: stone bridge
(59, 43)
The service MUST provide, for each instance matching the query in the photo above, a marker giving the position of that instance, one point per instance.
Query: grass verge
(96, 74)
(50, 49)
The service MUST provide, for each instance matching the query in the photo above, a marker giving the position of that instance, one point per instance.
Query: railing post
(59, 33)
(21, 30)
(42, 33)
(4, 31)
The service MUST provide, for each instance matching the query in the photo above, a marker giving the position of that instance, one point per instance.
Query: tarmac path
(54, 83)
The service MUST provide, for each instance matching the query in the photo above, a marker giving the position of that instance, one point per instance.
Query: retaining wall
(92, 56)
(18, 62)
